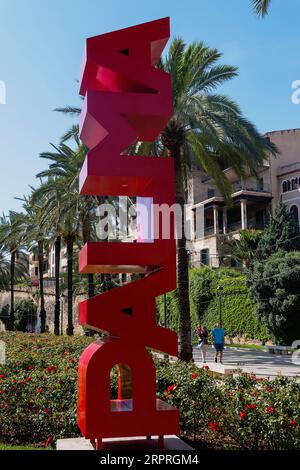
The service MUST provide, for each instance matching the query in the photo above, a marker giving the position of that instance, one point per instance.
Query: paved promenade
(260, 363)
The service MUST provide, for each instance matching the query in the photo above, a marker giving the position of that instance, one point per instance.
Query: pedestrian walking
(218, 335)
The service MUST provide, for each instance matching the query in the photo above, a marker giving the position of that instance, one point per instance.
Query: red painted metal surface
(126, 99)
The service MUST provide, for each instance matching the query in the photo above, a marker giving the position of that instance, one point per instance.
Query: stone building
(253, 199)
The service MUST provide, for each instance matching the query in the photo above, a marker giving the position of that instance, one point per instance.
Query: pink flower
(2, 376)
(243, 415)
(47, 411)
(22, 382)
(195, 375)
(28, 379)
(52, 369)
(30, 367)
(40, 390)
(206, 367)
(1, 392)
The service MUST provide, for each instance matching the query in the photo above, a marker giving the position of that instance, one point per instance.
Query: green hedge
(237, 308)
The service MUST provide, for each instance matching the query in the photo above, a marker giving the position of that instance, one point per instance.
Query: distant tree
(4, 315)
(12, 242)
(281, 233)
(25, 315)
(274, 287)
(35, 233)
(4, 270)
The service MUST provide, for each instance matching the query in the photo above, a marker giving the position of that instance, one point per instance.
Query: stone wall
(33, 293)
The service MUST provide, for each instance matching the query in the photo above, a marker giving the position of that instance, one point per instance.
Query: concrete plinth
(126, 444)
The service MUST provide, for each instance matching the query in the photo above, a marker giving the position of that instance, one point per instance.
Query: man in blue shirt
(218, 340)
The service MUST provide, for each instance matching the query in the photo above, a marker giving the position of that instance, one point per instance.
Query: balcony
(213, 194)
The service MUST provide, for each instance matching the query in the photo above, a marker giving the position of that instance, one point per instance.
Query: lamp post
(165, 310)
(62, 296)
(220, 289)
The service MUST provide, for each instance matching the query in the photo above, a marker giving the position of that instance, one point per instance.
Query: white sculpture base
(127, 444)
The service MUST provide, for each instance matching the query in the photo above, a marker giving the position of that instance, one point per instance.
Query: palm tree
(207, 130)
(73, 211)
(51, 192)
(261, 7)
(73, 132)
(12, 240)
(4, 270)
(69, 236)
(244, 249)
(35, 234)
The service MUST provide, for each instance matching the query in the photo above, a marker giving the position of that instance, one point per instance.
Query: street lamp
(166, 357)
(220, 290)
(165, 310)
(62, 296)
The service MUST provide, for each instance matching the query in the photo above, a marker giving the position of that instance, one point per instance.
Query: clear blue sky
(41, 43)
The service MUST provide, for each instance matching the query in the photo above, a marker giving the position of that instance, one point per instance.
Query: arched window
(294, 212)
(288, 185)
(284, 187)
(294, 183)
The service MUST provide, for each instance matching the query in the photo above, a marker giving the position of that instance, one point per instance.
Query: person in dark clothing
(203, 342)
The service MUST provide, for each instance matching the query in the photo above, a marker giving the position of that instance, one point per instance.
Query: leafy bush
(237, 307)
(243, 412)
(38, 387)
(38, 397)
(25, 314)
(4, 315)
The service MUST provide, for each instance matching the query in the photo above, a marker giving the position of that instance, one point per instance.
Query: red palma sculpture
(127, 99)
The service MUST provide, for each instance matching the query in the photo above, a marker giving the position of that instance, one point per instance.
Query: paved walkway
(260, 363)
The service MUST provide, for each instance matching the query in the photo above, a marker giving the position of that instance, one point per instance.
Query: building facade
(49, 263)
(253, 199)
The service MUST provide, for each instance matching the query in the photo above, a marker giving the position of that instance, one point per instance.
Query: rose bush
(241, 412)
(38, 394)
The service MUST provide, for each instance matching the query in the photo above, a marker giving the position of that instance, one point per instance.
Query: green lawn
(9, 447)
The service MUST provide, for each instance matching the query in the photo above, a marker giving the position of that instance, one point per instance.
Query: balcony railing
(252, 223)
(211, 193)
(258, 188)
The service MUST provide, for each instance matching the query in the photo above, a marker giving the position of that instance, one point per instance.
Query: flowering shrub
(38, 387)
(242, 412)
(38, 395)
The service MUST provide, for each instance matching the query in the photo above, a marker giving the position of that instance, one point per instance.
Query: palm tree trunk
(57, 248)
(41, 285)
(11, 321)
(86, 236)
(185, 352)
(70, 244)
